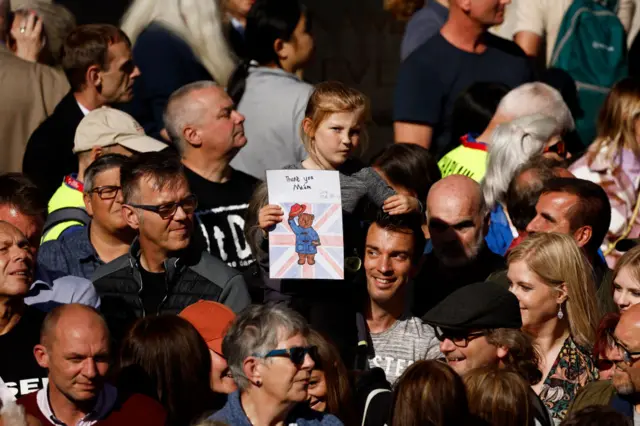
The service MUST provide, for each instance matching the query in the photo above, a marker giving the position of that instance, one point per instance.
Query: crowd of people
(491, 256)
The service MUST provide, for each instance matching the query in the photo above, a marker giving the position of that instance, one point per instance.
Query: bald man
(19, 324)
(457, 219)
(74, 347)
(623, 392)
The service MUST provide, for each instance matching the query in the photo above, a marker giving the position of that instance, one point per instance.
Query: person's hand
(400, 204)
(26, 31)
(269, 216)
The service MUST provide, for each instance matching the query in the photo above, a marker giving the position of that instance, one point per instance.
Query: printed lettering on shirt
(223, 231)
(26, 386)
(392, 367)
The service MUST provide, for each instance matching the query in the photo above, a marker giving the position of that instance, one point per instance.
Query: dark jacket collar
(172, 265)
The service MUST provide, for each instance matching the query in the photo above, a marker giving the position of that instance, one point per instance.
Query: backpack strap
(65, 214)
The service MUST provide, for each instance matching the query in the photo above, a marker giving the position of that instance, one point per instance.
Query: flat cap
(485, 305)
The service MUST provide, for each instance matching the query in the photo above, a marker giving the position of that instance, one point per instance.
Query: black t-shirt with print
(219, 218)
(18, 367)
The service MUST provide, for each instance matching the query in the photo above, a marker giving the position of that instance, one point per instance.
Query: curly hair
(521, 355)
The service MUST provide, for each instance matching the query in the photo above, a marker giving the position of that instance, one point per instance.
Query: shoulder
(244, 179)
(598, 392)
(111, 268)
(505, 46)
(303, 415)
(214, 269)
(157, 38)
(146, 410)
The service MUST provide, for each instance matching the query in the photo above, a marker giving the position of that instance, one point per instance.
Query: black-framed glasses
(296, 353)
(167, 210)
(627, 355)
(460, 338)
(106, 192)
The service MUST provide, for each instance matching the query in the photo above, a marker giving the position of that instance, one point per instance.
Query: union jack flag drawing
(329, 261)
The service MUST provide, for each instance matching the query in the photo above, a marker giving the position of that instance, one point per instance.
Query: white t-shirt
(6, 396)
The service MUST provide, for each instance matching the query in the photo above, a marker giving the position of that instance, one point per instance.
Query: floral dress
(574, 368)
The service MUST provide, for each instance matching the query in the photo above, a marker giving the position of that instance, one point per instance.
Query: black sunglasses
(296, 353)
(166, 211)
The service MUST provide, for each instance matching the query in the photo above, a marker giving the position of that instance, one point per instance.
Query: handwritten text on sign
(310, 186)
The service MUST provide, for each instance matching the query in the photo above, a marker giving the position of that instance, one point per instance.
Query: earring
(258, 383)
(560, 313)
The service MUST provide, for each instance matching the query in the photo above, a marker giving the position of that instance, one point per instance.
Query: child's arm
(269, 216)
(384, 196)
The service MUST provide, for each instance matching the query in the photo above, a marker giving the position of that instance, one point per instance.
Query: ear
(87, 203)
(41, 355)
(465, 5)
(563, 295)
(583, 235)
(486, 222)
(307, 126)
(93, 76)
(280, 47)
(251, 370)
(192, 136)
(131, 217)
(96, 152)
(502, 352)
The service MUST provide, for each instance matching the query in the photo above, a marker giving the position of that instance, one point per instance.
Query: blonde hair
(557, 260)
(630, 259)
(328, 98)
(197, 22)
(616, 121)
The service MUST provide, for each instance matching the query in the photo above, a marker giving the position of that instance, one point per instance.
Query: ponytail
(238, 81)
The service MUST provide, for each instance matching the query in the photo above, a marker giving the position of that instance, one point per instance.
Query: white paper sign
(308, 243)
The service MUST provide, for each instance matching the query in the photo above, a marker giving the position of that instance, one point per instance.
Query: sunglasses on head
(559, 148)
(296, 354)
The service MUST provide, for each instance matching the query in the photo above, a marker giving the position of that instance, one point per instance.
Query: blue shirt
(51, 290)
(423, 25)
(499, 237)
(71, 254)
(233, 414)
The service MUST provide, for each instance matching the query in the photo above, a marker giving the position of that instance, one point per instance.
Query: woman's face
(302, 45)
(318, 391)
(337, 136)
(539, 302)
(284, 380)
(626, 289)
(221, 380)
(606, 367)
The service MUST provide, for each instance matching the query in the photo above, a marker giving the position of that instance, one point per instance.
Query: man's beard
(458, 261)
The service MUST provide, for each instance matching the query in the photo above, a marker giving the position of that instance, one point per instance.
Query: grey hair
(13, 414)
(513, 144)
(257, 330)
(182, 111)
(102, 164)
(536, 98)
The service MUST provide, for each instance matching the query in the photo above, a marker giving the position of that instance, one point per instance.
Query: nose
(308, 363)
(623, 301)
(180, 214)
(384, 264)
(239, 118)
(119, 197)
(136, 72)
(447, 346)
(20, 254)
(90, 369)
(533, 225)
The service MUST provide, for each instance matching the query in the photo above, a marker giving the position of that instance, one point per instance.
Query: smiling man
(163, 272)
(19, 323)
(392, 251)
(74, 348)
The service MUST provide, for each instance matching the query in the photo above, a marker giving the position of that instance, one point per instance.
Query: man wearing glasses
(107, 237)
(102, 131)
(622, 393)
(162, 272)
(479, 325)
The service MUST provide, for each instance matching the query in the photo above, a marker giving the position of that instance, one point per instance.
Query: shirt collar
(469, 141)
(104, 404)
(84, 249)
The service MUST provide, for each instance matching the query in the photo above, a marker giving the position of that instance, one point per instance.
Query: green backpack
(591, 47)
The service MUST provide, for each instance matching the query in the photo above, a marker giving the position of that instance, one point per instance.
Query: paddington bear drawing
(307, 238)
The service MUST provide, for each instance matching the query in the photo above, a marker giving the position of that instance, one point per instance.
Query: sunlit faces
(167, 235)
(626, 336)
(221, 379)
(318, 391)
(488, 12)
(553, 213)
(104, 203)
(283, 379)
(539, 302)
(116, 82)
(388, 262)
(336, 137)
(30, 226)
(238, 8)
(16, 262)
(626, 289)
(477, 353)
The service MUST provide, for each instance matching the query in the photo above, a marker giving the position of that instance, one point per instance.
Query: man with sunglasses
(622, 393)
(479, 325)
(107, 237)
(102, 131)
(162, 272)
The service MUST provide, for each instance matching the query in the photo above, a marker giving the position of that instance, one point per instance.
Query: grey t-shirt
(405, 342)
(636, 418)
(423, 25)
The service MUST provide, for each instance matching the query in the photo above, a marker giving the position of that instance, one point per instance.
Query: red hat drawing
(297, 209)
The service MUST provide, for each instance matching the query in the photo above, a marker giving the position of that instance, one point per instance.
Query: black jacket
(194, 276)
(49, 154)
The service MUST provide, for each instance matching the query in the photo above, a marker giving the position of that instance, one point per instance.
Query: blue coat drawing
(304, 238)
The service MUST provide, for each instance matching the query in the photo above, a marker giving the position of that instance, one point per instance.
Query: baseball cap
(484, 305)
(108, 126)
(211, 319)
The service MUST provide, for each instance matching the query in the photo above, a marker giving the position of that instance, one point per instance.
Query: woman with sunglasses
(613, 162)
(554, 285)
(271, 362)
